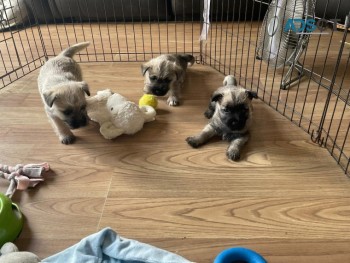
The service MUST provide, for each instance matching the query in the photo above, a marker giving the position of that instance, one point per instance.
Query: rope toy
(23, 176)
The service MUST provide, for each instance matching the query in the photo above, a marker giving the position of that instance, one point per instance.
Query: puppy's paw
(233, 155)
(173, 101)
(68, 139)
(192, 141)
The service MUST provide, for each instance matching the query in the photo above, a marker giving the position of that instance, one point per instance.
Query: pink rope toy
(23, 176)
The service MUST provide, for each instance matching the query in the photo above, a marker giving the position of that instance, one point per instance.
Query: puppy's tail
(188, 58)
(230, 80)
(69, 52)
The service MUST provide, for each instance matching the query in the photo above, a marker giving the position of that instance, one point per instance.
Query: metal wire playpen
(295, 54)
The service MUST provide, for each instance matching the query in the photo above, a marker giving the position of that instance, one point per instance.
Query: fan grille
(276, 46)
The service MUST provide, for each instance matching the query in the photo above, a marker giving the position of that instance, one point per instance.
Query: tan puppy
(165, 75)
(63, 93)
(230, 115)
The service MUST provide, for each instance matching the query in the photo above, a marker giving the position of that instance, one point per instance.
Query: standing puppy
(165, 75)
(230, 114)
(63, 93)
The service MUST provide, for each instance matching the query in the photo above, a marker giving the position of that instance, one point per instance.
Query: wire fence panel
(21, 50)
(317, 100)
(295, 54)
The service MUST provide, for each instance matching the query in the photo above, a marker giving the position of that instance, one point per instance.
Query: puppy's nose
(159, 91)
(84, 121)
(74, 125)
(234, 123)
(77, 123)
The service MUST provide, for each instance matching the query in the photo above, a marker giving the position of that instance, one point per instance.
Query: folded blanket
(107, 246)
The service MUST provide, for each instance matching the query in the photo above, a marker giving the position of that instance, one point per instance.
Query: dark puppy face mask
(233, 107)
(234, 116)
(158, 85)
(230, 114)
(159, 76)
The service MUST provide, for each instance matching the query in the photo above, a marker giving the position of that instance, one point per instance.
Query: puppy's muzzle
(236, 123)
(76, 123)
(159, 90)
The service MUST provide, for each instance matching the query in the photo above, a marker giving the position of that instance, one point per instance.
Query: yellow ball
(148, 99)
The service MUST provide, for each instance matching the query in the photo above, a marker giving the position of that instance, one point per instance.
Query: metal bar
(90, 25)
(107, 24)
(343, 111)
(150, 29)
(116, 31)
(317, 138)
(239, 19)
(231, 43)
(313, 64)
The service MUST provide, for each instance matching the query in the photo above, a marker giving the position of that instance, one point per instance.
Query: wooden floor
(287, 198)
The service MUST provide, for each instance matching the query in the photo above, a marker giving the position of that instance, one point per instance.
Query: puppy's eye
(167, 80)
(68, 112)
(153, 78)
(111, 108)
(226, 110)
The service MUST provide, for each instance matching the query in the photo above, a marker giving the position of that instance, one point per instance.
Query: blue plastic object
(239, 254)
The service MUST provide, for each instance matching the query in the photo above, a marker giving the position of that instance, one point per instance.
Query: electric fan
(279, 45)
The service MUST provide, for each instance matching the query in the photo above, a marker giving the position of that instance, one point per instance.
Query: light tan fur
(230, 96)
(169, 72)
(63, 93)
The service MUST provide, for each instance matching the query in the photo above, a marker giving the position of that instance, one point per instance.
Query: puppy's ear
(85, 87)
(217, 96)
(49, 98)
(144, 68)
(251, 94)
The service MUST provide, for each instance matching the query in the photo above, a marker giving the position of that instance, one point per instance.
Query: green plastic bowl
(11, 220)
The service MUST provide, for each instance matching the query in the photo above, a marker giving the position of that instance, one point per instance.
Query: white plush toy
(116, 115)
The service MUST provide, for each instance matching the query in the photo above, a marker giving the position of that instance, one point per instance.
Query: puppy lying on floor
(63, 93)
(165, 75)
(230, 114)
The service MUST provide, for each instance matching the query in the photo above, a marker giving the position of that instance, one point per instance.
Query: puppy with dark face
(165, 75)
(230, 115)
(63, 93)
